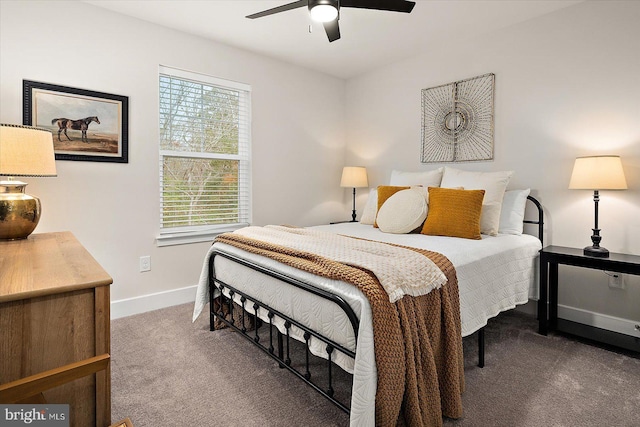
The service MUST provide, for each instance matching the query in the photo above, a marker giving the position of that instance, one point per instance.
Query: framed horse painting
(86, 125)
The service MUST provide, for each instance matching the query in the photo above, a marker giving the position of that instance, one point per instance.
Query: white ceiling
(370, 39)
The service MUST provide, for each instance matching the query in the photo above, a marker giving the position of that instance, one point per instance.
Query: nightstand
(550, 258)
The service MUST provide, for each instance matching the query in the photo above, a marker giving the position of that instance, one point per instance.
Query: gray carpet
(167, 371)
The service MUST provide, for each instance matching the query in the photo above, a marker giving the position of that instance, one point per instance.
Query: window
(204, 156)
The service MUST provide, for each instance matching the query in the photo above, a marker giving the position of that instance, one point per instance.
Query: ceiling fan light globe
(323, 13)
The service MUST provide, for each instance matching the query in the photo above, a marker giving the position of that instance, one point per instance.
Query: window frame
(168, 236)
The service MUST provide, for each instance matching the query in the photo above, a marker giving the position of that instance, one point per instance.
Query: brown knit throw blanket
(417, 340)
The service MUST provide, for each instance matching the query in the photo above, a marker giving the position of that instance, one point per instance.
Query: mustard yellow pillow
(454, 213)
(384, 192)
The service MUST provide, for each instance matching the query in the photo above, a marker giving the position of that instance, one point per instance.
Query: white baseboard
(144, 303)
(598, 320)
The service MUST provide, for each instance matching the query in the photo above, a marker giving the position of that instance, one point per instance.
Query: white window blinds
(204, 153)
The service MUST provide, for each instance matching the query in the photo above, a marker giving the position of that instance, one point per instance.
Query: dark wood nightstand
(550, 258)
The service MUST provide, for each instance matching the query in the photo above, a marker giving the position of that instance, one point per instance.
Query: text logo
(34, 415)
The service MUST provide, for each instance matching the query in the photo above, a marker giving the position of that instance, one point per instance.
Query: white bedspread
(400, 271)
(494, 274)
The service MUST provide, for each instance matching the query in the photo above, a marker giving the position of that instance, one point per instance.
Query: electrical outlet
(145, 263)
(616, 280)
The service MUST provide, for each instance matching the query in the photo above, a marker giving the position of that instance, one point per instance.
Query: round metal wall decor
(457, 121)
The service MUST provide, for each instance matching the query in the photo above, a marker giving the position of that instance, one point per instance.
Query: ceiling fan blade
(332, 29)
(283, 8)
(390, 5)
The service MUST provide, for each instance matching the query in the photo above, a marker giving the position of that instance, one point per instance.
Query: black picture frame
(73, 116)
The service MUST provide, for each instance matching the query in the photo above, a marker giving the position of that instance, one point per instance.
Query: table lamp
(597, 173)
(24, 151)
(354, 177)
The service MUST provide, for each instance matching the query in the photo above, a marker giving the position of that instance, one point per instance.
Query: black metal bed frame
(284, 362)
(227, 293)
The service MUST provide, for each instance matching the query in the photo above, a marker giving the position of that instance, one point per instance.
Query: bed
(333, 319)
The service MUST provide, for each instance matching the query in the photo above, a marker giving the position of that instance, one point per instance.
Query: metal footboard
(251, 305)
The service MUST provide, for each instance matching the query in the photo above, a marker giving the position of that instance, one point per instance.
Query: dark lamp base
(596, 251)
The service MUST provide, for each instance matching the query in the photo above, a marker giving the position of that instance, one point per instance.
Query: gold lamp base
(19, 212)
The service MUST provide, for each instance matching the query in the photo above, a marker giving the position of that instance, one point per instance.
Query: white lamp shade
(598, 173)
(354, 177)
(26, 151)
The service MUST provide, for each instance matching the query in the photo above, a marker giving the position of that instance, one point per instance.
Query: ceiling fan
(328, 11)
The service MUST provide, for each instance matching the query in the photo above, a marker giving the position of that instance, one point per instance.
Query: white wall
(113, 209)
(567, 85)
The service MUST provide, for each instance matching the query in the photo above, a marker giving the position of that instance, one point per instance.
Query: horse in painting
(81, 125)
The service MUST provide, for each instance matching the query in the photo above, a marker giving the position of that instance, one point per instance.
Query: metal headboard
(539, 221)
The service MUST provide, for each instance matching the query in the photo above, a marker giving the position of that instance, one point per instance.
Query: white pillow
(370, 209)
(493, 184)
(403, 212)
(426, 178)
(512, 214)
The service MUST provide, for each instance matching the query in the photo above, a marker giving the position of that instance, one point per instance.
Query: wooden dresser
(54, 327)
